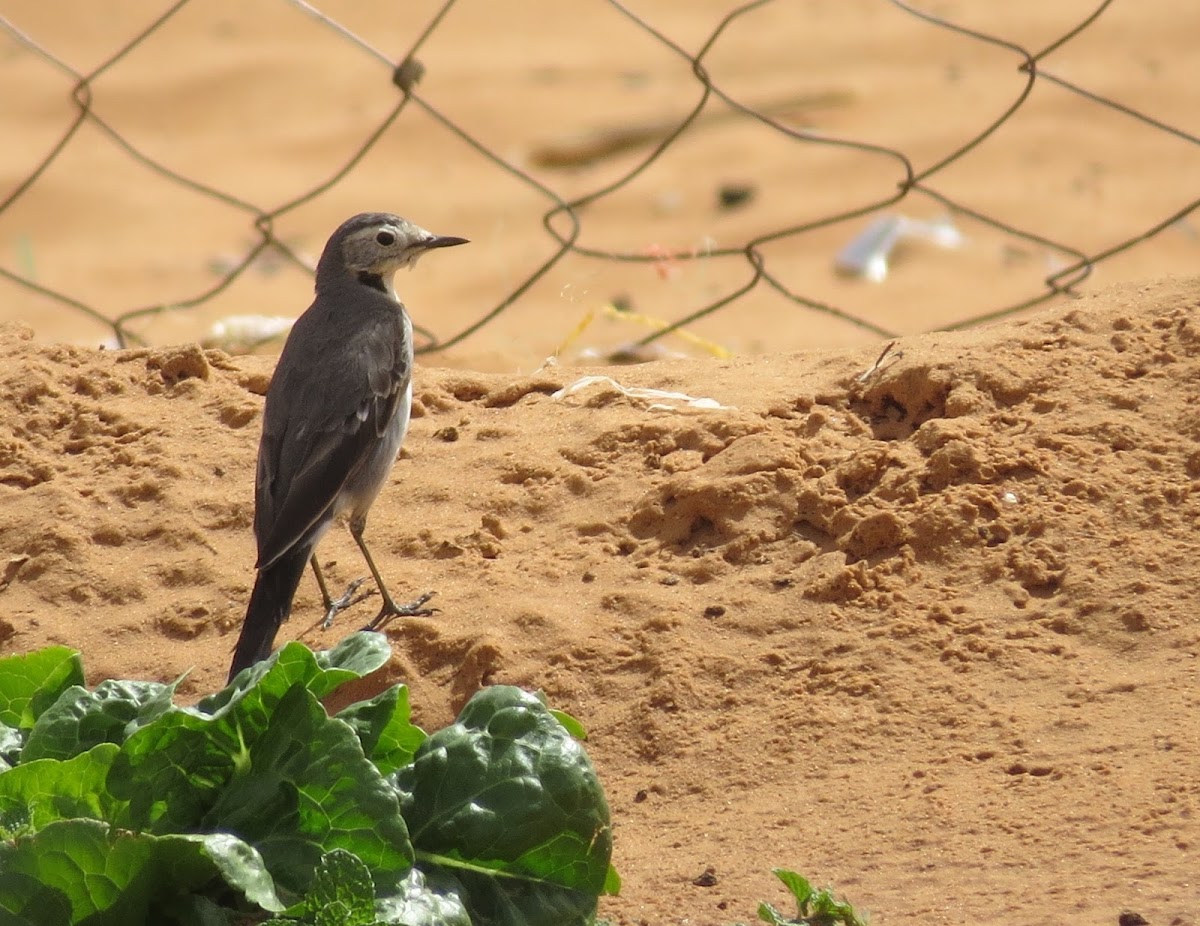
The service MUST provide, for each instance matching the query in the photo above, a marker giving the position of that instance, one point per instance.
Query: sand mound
(926, 630)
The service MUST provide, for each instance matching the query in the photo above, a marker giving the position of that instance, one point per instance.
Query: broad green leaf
(12, 741)
(770, 915)
(113, 876)
(198, 910)
(612, 882)
(495, 900)
(172, 770)
(424, 900)
(30, 902)
(306, 788)
(240, 866)
(46, 790)
(360, 653)
(31, 682)
(514, 825)
(798, 886)
(321, 673)
(570, 724)
(342, 893)
(813, 907)
(80, 719)
(388, 737)
(507, 800)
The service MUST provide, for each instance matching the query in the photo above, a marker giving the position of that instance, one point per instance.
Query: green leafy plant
(813, 907)
(117, 806)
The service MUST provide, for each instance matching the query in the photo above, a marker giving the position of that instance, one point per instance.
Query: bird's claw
(348, 598)
(415, 608)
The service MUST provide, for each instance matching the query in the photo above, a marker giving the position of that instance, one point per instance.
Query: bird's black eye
(386, 238)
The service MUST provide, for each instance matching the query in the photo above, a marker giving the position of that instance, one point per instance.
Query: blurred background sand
(264, 103)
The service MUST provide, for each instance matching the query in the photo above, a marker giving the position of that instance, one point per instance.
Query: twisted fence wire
(563, 219)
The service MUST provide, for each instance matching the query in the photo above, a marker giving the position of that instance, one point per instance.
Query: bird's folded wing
(333, 424)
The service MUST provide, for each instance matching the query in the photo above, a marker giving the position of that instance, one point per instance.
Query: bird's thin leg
(316, 568)
(335, 605)
(390, 609)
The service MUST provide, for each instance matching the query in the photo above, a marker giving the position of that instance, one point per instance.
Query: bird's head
(377, 244)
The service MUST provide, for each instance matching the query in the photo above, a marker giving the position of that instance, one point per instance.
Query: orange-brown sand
(926, 630)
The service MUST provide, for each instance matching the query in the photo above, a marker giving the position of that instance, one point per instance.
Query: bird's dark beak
(443, 241)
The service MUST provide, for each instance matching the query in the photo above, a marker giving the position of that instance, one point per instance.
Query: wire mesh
(765, 136)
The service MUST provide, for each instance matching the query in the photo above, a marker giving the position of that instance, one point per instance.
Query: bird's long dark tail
(270, 605)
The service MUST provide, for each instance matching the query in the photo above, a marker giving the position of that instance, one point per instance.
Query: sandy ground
(926, 631)
(929, 633)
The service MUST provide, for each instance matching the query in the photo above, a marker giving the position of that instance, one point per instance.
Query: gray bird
(336, 413)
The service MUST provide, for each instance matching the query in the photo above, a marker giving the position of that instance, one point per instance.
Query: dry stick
(595, 145)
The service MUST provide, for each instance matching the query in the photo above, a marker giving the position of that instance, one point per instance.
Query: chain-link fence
(768, 175)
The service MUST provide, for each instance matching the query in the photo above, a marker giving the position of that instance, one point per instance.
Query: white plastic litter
(660, 399)
(867, 255)
(246, 332)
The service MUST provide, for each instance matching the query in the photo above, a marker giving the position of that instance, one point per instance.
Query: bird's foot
(348, 598)
(390, 609)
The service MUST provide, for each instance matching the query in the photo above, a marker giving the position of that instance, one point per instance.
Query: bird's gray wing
(328, 406)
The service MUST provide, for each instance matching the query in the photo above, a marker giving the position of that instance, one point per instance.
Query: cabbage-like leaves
(507, 802)
(117, 806)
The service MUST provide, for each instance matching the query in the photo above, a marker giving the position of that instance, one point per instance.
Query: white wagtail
(336, 413)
